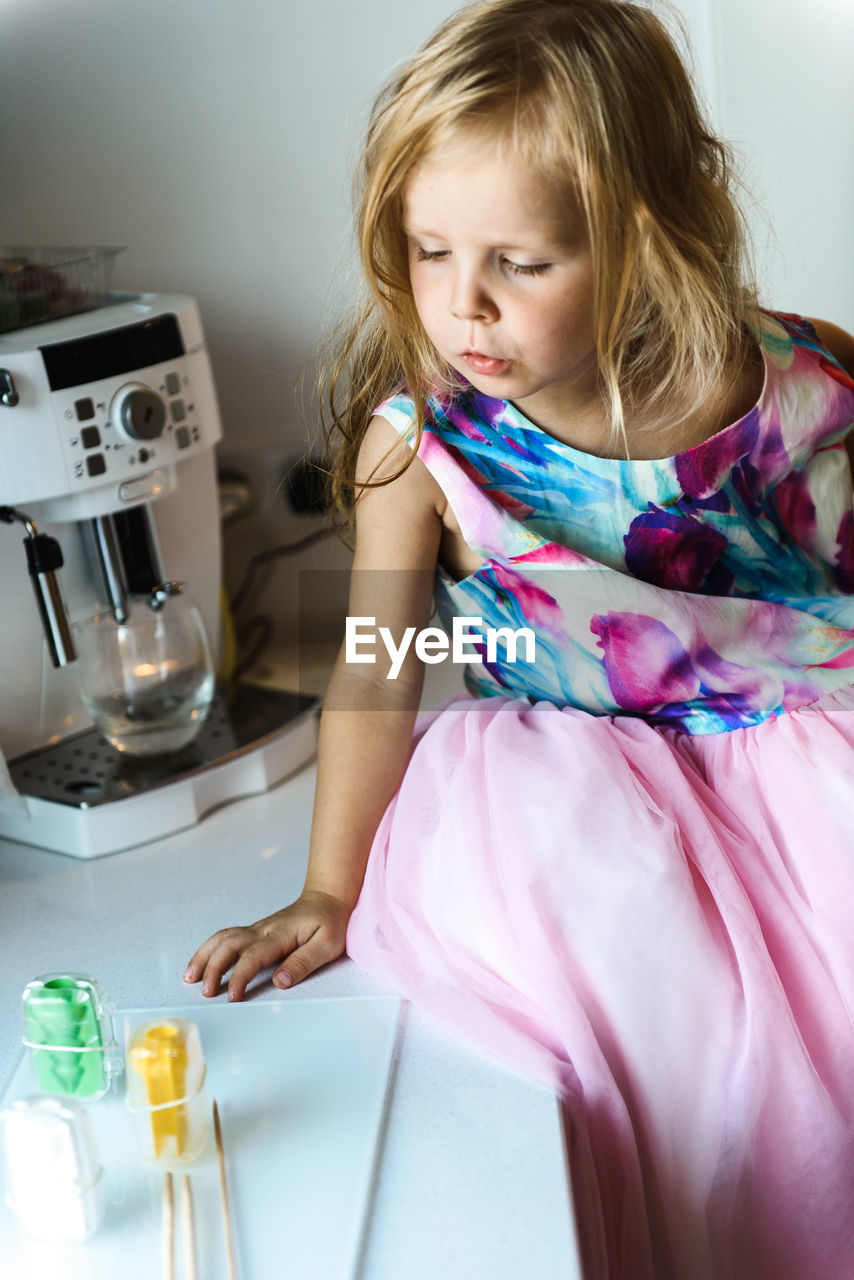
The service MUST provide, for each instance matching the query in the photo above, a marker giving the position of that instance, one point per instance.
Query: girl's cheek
(428, 309)
(421, 297)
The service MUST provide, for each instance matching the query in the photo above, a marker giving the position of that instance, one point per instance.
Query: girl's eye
(515, 268)
(429, 255)
(527, 268)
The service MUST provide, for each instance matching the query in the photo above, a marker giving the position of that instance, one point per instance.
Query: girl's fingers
(302, 941)
(260, 955)
(215, 957)
(199, 959)
(318, 950)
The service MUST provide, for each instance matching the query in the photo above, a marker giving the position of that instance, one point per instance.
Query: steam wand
(44, 557)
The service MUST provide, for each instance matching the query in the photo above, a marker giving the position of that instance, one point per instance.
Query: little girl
(623, 862)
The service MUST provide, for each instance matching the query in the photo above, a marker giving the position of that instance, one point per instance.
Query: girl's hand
(307, 934)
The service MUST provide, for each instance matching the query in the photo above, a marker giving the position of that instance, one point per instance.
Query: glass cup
(147, 682)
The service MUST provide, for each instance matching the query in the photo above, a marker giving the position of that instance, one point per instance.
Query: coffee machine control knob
(138, 412)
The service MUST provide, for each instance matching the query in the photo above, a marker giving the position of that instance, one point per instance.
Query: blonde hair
(596, 95)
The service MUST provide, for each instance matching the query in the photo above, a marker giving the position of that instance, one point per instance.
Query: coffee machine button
(173, 384)
(147, 486)
(138, 412)
(96, 464)
(90, 437)
(84, 409)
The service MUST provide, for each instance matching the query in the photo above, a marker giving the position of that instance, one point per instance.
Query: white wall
(216, 139)
(786, 80)
(777, 78)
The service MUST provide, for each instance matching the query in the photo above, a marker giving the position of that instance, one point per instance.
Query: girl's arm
(365, 731)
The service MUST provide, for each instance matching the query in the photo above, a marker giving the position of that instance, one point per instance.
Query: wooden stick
(168, 1228)
(223, 1195)
(188, 1229)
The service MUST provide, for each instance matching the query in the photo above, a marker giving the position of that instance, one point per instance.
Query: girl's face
(502, 277)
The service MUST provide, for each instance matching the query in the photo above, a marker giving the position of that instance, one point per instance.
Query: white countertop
(471, 1183)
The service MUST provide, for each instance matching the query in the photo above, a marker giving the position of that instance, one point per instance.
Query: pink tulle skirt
(661, 928)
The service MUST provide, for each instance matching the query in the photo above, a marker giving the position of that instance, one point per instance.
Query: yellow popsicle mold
(165, 1079)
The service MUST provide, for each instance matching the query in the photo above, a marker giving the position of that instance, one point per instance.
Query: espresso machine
(108, 422)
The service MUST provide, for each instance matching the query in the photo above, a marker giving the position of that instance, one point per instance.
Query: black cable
(262, 558)
(264, 623)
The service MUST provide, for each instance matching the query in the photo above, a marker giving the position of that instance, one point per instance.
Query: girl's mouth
(489, 365)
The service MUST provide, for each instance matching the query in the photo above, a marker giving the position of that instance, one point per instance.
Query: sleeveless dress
(624, 862)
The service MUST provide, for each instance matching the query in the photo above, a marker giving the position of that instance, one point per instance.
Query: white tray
(301, 1087)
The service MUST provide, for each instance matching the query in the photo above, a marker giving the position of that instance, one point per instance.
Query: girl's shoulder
(395, 491)
(839, 344)
(399, 412)
(444, 415)
(398, 532)
(385, 456)
(836, 340)
(828, 346)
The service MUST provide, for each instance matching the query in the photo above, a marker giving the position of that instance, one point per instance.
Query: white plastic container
(53, 1179)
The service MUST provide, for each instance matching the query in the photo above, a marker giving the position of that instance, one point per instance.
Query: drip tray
(84, 770)
(82, 797)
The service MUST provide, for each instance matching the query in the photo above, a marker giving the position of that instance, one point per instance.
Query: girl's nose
(470, 300)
